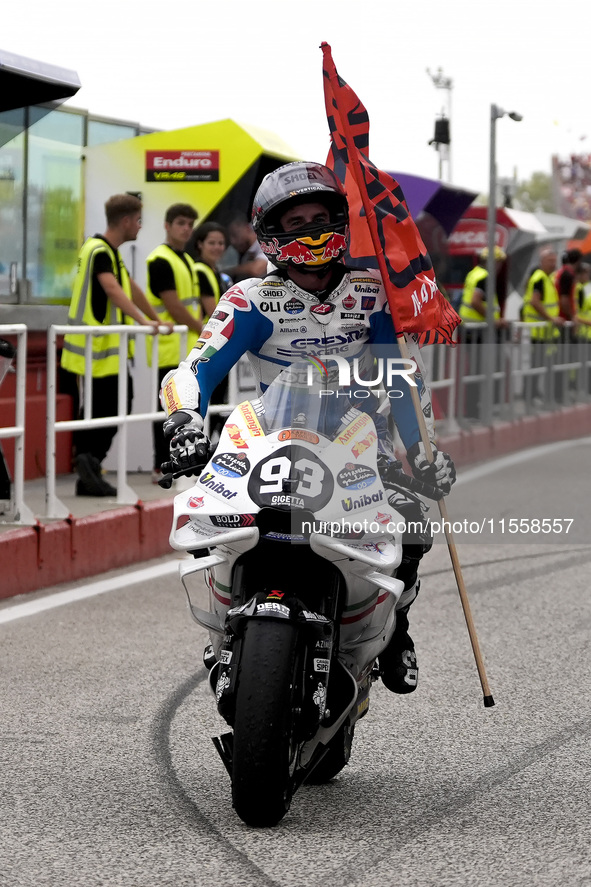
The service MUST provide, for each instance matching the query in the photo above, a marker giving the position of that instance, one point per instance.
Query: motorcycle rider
(310, 304)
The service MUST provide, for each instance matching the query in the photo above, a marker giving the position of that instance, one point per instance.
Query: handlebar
(168, 474)
(396, 476)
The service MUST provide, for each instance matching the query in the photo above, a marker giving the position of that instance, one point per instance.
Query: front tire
(265, 742)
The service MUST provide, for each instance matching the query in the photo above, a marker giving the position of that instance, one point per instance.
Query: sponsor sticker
(294, 306)
(195, 502)
(252, 423)
(362, 445)
(322, 309)
(273, 607)
(353, 428)
(287, 499)
(210, 481)
(171, 397)
(231, 464)
(235, 436)
(349, 302)
(298, 434)
(356, 477)
(232, 520)
(350, 504)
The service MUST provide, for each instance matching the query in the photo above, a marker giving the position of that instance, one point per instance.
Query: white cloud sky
(171, 65)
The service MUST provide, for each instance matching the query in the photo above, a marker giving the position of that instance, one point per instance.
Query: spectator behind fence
(206, 246)
(473, 310)
(565, 281)
(173, 291)
(541, 306)
(583, 297)
(210, 242)
(103, 294)
(252, 260)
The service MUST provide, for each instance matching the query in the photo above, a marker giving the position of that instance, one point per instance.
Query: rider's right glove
(441, 472)
(189, 447)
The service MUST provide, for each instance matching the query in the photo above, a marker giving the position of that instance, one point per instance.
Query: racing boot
(398, 664)
(399, 669)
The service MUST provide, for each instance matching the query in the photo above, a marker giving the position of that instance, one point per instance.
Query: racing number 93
(312, 483)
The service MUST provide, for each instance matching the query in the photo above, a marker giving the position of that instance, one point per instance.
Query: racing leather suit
(275, 323)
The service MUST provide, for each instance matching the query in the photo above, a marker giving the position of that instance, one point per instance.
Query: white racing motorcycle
(298, 539)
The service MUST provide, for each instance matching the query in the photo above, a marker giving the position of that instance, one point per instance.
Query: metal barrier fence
(17, 511)
(54, 508)
(530, 369)
(527, 375)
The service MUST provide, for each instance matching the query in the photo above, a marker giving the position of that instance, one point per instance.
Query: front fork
(316, 651)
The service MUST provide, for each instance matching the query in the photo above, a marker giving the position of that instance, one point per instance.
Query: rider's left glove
(189, 447)
(441, 472)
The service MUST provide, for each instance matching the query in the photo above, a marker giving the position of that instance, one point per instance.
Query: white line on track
(517, 458)
(102, 586)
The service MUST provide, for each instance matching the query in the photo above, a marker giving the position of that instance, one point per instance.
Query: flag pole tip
(488, 702)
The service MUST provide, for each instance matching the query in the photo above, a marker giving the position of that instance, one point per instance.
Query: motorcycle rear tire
(264, 744)
(336, 757)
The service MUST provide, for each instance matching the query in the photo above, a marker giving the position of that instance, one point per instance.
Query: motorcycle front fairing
(295, 472)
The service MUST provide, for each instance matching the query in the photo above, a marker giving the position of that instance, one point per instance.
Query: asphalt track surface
(109, 776)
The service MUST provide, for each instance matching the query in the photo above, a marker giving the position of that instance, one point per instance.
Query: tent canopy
(444, 202)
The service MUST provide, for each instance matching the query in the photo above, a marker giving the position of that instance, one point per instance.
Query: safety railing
(16, 511)
(528, 375)
(530, 369)
(54, 508)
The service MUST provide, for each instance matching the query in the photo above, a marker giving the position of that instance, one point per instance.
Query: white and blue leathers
(277, 323)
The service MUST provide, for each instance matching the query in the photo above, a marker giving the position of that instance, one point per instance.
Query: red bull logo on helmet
(307, 250)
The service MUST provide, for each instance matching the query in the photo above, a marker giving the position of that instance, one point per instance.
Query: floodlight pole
(491, 267)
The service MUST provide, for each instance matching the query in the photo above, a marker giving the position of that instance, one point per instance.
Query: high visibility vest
(584, 331)
(187, 289)
(105, 349)
(208, 271)
(473, 281)
(550, 302)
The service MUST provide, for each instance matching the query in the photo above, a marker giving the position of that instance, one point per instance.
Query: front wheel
(265, 744)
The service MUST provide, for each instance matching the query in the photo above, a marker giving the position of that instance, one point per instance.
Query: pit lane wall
(49, 553)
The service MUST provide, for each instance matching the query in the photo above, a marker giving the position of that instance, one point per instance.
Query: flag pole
(404, 352)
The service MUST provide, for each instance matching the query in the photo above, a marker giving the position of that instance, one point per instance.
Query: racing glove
(441, 472)
(189, 447)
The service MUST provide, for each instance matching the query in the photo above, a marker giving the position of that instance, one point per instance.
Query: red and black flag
(383, 233)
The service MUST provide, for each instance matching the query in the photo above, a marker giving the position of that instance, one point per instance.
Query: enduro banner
(383, 233)
(182, 166)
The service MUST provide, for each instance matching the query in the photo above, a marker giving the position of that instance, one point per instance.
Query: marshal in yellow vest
(475, 279)
(551, 305)
(105, 348)
(187, 289)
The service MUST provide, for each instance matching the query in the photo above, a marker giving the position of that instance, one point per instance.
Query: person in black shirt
(103, 294)
(173, 292)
